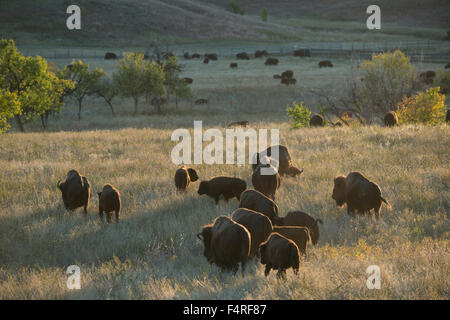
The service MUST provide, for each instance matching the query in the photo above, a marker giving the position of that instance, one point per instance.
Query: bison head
(203, 188)
(206, 236)
(293, 171)
(339, 192)
(192, 174)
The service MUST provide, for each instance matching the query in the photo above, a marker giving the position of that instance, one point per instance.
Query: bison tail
(386, 202)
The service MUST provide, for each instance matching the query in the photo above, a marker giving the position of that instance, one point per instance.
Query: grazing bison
(188, 80)
(211, 56)
(271, 62)
(109, 201)
(325, 63)
(261, 53)
(300, 235)
(316, 120)
(243, 123)
(243, 56)
(267, 184)
(226, 243)
(184, 176)
(287, 74)
(360, 194)
(201, 101)
(302, 53)
(302, 219)
(256, 201)
(110, 56)
(229, 187)
(195, 56)
(288, 81)
(76, 191)
(206, 60)
(279, 253)
(256, 223)
(186, 55)
(284, 158)
(233, 65)
(276, 76)
(390, 119)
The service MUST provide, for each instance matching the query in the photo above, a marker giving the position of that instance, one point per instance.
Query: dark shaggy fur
(184, 176)
(233, 65)
(211, 56)
(302, 53)
(206, 60)
(267, 184)
(76, 191)
(390, 119)
(284, 158)
(276, 76)
(229, 187)
(195, 56)
(271, 62)
(186, 55)
(325, 63)
(279, 253)
(360, 194)
(256, 223)
(288, 81)
(300, 235)
(243, 56)
(302, 219)
(109, 201)
(110, 56)
(261, 53)
(287, 74)
(256, 201)
(316, 121)
(188, 80)
(226, 243)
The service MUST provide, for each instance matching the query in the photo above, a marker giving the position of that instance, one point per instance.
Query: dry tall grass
(154, 253)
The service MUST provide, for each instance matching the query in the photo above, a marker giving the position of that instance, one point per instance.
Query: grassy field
(154, 253)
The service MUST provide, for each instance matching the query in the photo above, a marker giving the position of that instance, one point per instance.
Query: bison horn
(199, 235)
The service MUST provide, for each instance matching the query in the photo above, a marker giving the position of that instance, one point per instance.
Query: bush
(425, 107)
(264, 14)
(299, 113)
(237, 8)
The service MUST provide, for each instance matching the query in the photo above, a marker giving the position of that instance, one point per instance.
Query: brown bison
(110, 56)
(288, 81)
(360, 194)
(186, 55)
(201, 101)
(276, 76)
(188, 80)
(447, 66)
(325, 63)
(195, 56)
(300, 235)
(447, 116)
(184, 176)
(256, 201)
(261, 53)
(226, 243)
(109, 201)
(229, 187)
(284, 158)
(390, 119)
(302, 219)
(76, 191)
(206, 60)
(264, 182)
(279, 253)
(271, 62)
(243, 56)
(316, 120)
(211, 56)
(287, 74)
(256, 223)
(233, 65)
(243, 123)
(302, 53)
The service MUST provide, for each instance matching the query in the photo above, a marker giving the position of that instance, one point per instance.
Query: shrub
(425, 107)
(264, 14)
(237, 8)
(299, 113)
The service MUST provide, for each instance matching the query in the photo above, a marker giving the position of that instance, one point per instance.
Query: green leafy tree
(154, 83)
(28, 81)
(9, 107)
(86, 81)
(174, 83)
(424, 107)
(108, 91)
(130, 77)
(264, 14)
(236, 8)
(299, 113)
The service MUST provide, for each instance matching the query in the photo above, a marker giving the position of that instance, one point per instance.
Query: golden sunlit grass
(154, 253)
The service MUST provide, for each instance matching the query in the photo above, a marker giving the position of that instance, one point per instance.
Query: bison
(284, 158)
(267, 183)
(360, 194)
(188, 80)
(261, 53)
(447, 116)
(186, 55)
(195, 56)
(427, 76)
(391, 119)
(211, 56)
(243, 123)
(256, 201)
(271, 62)
(76, 191)
(110, 56)
(233, 65)
(206, 60)
(447, 66)
(257, 224)
(229, 187)
(243, 56)
(184, 176)
(316, 120)
(325, 63)
(302, 53)
(226, 243)
(201, 101)
(276, 76)
(279, 253)
(302, 219)
(109, 201)
(288, 81)
(287, 74)
(300, 235)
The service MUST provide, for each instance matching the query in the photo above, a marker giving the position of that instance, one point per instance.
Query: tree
(107, 90)
(86, 81)
(27, 84)
(130, 77)
(425, 107)
(264, 14)
(9, 107)
(236, 8)
(174, 84)
(154, 83)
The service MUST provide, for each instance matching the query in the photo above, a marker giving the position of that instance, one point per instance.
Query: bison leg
(216, 199)
(117, 212)
(267, 270)
(281, 273)
(108, 217)
(100, 213)
(295, 271)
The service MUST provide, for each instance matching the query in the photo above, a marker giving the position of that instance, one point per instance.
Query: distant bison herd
(255, 230)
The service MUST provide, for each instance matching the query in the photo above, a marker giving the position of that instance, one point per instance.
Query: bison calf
(109, 201)
(279, 253)
(302, 219)
(360, 194)
(184, 176)
(226, 243)
(76, 191)
(229, 187)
